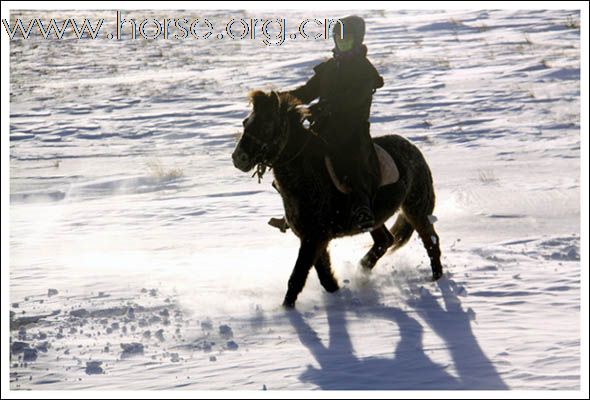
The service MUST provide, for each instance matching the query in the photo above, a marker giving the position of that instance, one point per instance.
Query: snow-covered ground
(140, 258)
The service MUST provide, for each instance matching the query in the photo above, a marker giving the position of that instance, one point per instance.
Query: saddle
(388, 168)
(388, 171)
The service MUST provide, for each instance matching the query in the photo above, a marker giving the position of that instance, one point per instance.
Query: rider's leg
(279, 223)
(362, 170)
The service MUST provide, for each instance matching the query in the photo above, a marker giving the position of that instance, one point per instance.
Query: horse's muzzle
(241, 161)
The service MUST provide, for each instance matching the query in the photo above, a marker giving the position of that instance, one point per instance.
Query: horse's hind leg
(324, 271)
(432, 244)
(383, 240)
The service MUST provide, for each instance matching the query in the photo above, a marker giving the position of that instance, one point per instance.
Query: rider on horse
(345, 85)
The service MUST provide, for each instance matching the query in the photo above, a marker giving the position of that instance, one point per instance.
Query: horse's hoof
(288, 304)
(367, 263)
(332, 288)
(367, 266)
(436, 276)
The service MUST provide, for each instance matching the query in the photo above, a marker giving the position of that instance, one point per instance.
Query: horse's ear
(256, 96)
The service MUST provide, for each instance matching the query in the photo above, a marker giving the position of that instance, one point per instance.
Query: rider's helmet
(349, 34)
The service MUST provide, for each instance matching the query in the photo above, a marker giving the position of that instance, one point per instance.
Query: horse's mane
(289, 105)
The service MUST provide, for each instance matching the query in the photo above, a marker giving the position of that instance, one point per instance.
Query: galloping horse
(317, 212)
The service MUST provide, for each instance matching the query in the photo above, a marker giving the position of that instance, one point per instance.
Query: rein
(262, 166)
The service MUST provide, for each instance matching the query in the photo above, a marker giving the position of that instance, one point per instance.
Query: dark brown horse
(274, 136)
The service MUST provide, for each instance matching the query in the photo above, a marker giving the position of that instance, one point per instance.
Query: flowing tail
(402, 231)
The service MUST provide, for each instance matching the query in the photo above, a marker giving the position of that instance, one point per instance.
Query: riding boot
(279, 223)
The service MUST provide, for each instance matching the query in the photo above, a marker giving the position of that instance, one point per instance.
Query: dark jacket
(345, 85)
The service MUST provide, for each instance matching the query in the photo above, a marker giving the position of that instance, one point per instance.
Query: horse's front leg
(309, 251)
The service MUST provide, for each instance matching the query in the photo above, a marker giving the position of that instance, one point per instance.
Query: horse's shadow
(409, 367)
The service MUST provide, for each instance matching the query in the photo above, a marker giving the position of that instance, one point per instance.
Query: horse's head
(265, 131)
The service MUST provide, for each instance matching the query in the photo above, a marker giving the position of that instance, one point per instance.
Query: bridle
(263, 146)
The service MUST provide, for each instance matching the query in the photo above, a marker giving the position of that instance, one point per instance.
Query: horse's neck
(303, 149)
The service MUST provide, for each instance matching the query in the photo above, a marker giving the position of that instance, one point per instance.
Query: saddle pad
(389, 171)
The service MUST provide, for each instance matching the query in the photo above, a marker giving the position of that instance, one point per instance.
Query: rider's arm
(309, 91)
